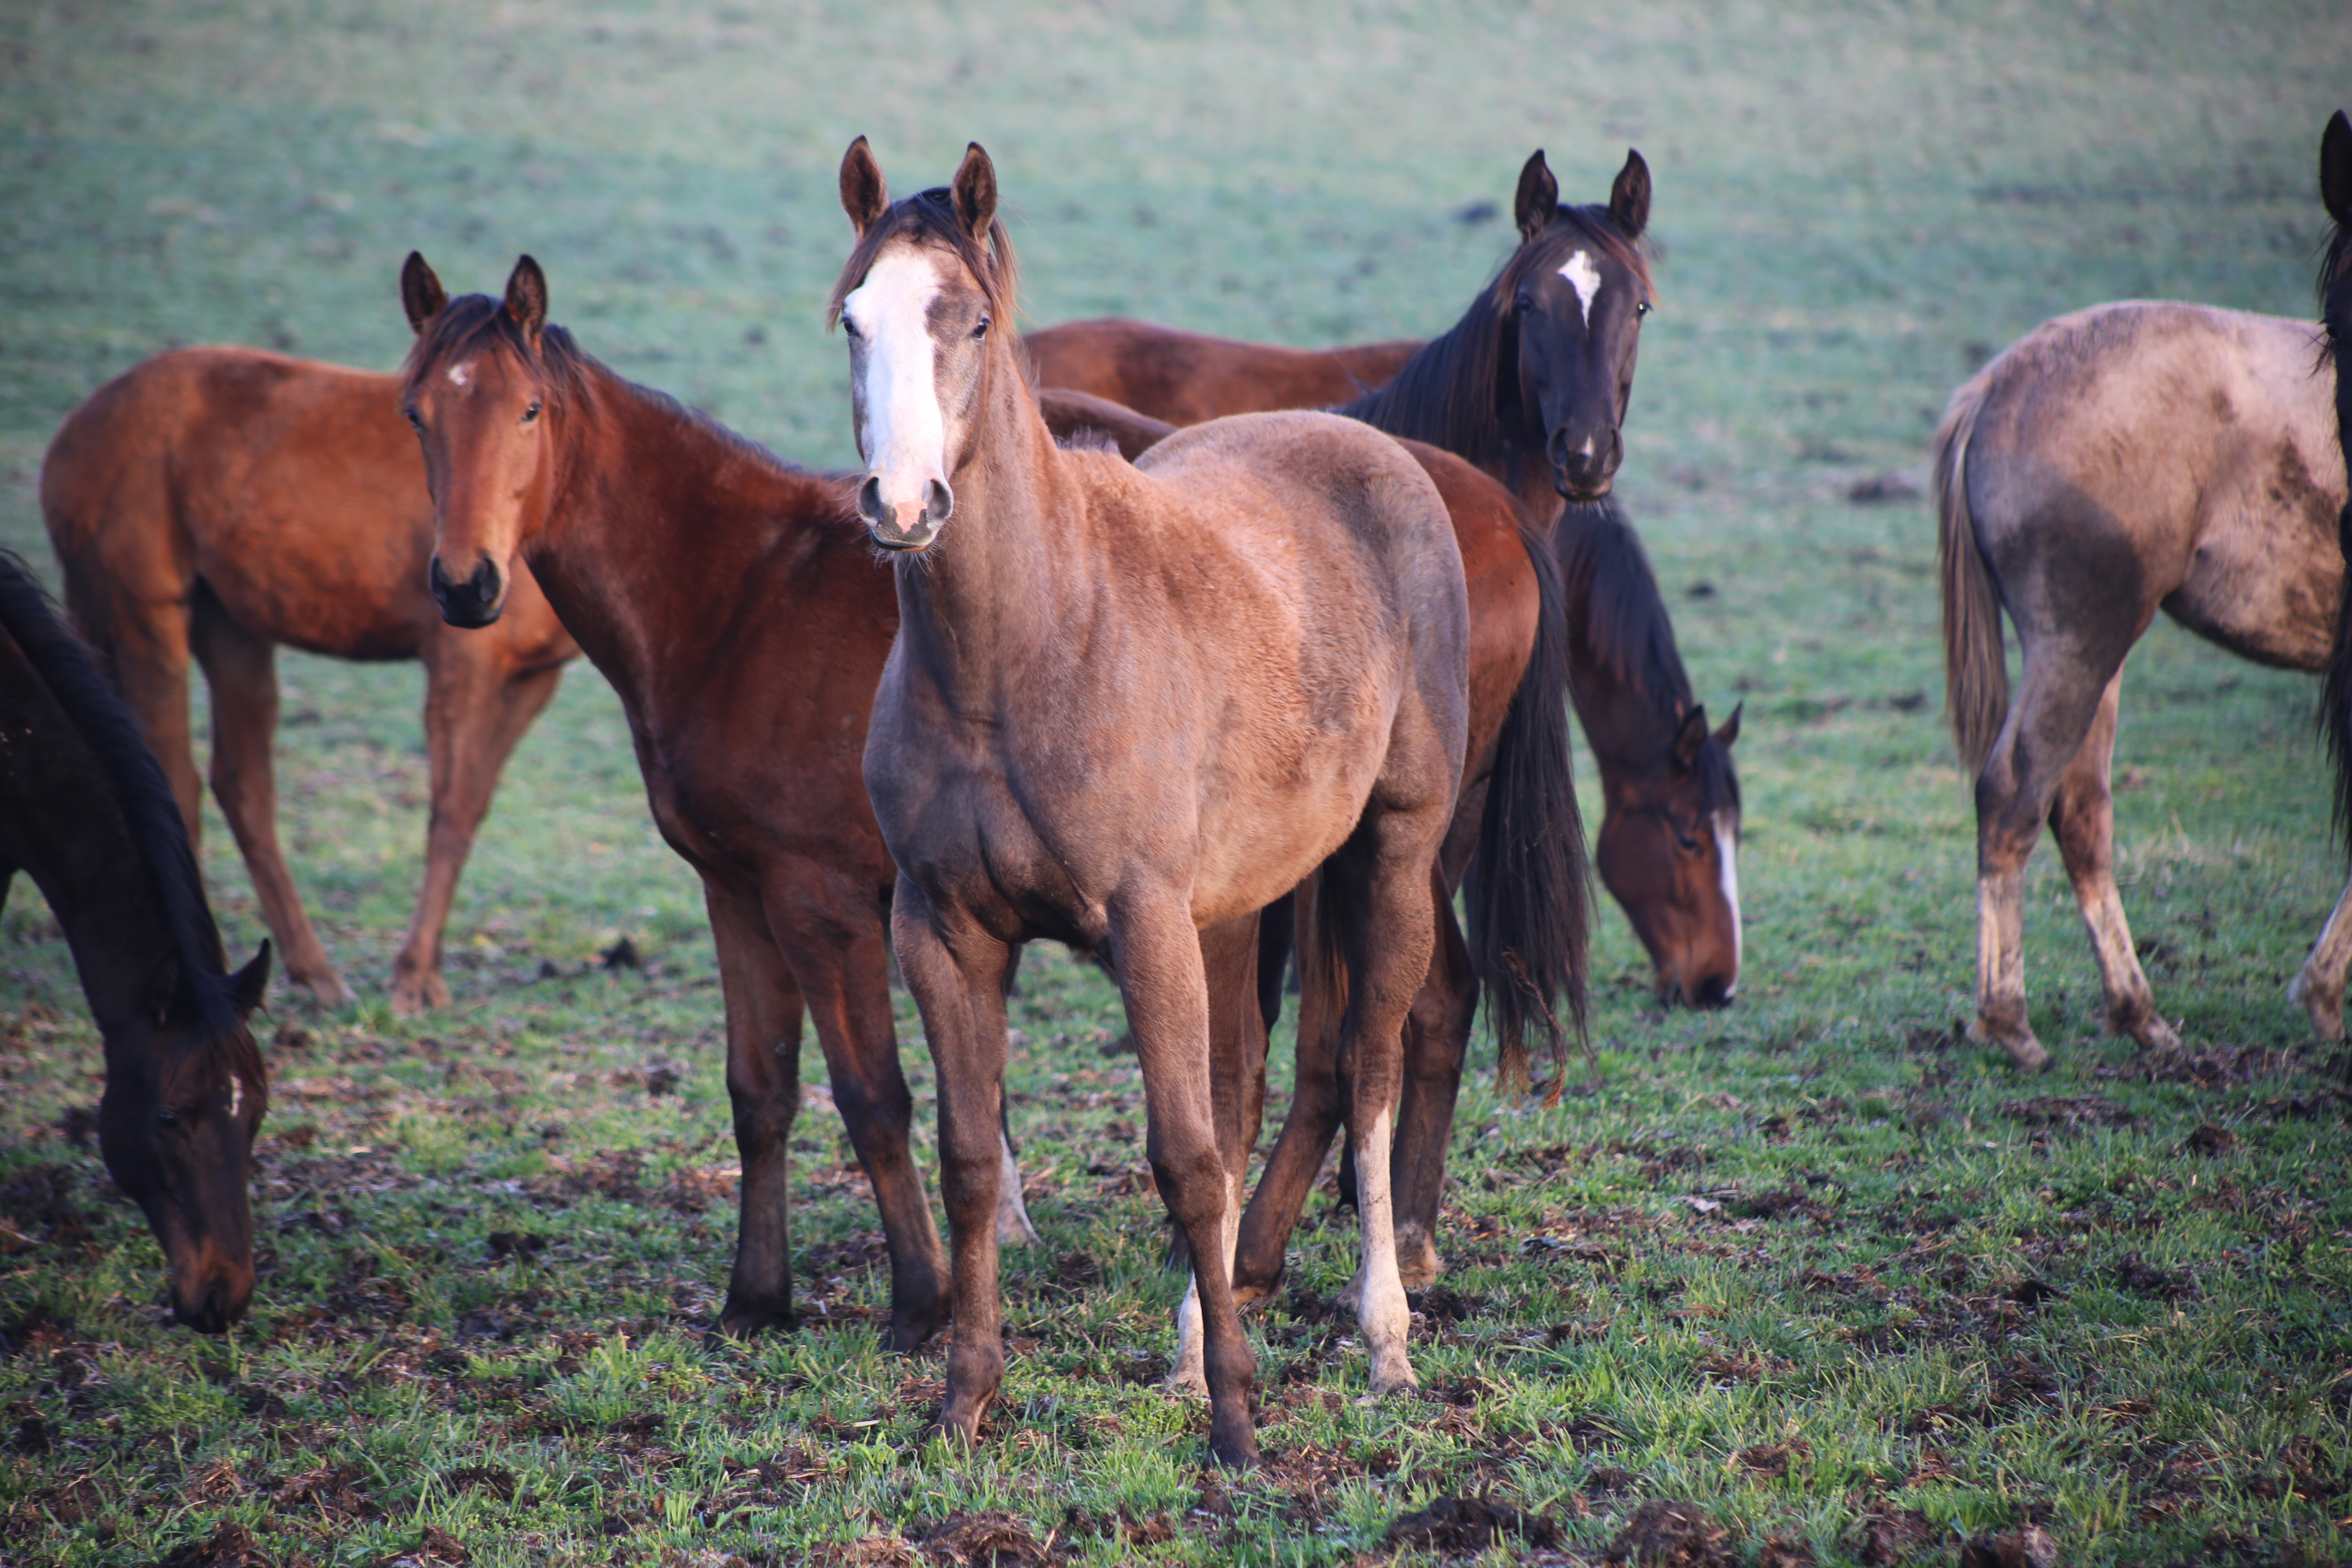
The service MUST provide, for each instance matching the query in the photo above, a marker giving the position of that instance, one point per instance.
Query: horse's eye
(1640, 310)
(167, 1117)
(415, 421)
(980, 330)
(1688, 842)
(531, 414)
(1523, 304)
(850, 327)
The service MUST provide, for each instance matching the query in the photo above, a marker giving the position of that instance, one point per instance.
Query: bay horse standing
(224, 500)
(1127, 708)
(85, 812)
(742, 620)
(2117, 461)
(1532, 384)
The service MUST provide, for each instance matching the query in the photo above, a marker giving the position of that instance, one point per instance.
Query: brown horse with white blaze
(1127, 708)
(86, 813)
(220, 501)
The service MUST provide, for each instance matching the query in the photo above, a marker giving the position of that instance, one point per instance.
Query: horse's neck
(1445, 396)
(1000, 599)
(1631, 705)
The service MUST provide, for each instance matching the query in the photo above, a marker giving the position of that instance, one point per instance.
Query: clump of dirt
(2210, 1141)
(2136, 1274)
(1898, 1535)
(1785, 1203)
(2070, 1112)
(1472, 1524)
(2031, 1547)
(1773, 1458)
(1665, 1534)
(1786, 1551)
(230, 1545)
(983, 1540)
(37, 1206)
(437, 1545)
(499, 1483)
(333, 1493)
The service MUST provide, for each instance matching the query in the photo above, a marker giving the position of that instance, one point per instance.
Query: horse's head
(1669, 853)
(176, 1124)
(1575, 293)
(920, 298)
(484, 390)
(2336, 271)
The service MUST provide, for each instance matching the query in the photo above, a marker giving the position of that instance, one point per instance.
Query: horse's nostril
(939, 501)
(869, 499)
(1714, 992)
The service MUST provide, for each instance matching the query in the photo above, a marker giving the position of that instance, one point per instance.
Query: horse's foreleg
(957, 979)
(1165, 986)
(1436, 1039)
(764, 1085)
(1317, 1106)
(1013, 1226)
(1229, 955)
(846, 986)
(241, 668)
(2082, 820)
(2319, 986)
(476, 710)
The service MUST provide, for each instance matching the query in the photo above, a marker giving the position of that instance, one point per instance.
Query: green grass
(1963, 1301)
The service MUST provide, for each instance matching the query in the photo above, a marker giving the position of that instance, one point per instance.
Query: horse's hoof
(2027, 1055)
(911, 1331)
(1233, 1446)
(1192, 1380)
(2156, 1038)
(1250, 1293)
(1392, 1373)
(748, 1320)
(414, 995)
(328, 989)
(1418, 1265)
(2326, 1012)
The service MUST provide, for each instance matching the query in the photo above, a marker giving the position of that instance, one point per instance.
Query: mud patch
(1664, 1534)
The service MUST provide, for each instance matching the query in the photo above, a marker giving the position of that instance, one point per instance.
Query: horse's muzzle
(1584, 471)
(905, 527)
(476, 602)
(212, 1294)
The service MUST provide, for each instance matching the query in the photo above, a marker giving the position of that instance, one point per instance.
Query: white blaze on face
(1585, 279)
(902, 431)
(236, 1094)
(1727, 850)
(461, 374)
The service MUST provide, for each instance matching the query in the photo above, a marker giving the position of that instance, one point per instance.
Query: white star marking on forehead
(1585, 279)
(461, 374)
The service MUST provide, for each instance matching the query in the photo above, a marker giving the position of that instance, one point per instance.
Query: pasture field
(1814, 1267)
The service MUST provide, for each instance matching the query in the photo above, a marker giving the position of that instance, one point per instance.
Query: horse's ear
(1729, 735)
(1539, 196)
(421, 294)
(975, 191)
(527, 298)
(1689, 736)
(249, 985)
(2335, 168)
(1629, 197)
(864, 195)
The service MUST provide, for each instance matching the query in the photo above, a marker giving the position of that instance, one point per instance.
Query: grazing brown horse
(1530, 927)
(1188, 378)
(2115, 462)
(1541, 363)
(224, 501)
(1127, 708)
(85, 812)
(733, 605)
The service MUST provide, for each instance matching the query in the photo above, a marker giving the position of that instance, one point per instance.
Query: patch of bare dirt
(2031, 1547)
(1667, 1534)
(1898, 1535)
(987, 1539)
(37, 1208)
(230, 1545)
(2067, 1112)
(1450, 1525)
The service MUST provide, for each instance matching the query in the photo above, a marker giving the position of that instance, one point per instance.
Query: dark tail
(2336, 275)
(1976, 675)
(1527, 887)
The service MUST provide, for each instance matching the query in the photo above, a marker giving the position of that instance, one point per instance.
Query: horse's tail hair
(1976, 673)
(1528, 888)
(1322, 959)
(2336, 685)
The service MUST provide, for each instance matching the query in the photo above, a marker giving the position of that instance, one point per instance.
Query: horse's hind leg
(2083, 819)
(1237, 1095)
(242, 668)
(1436, 1038)
(476, 710)
(2319, 986)
(1317, 1107)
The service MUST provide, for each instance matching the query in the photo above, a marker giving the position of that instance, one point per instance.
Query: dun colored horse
(2113, 462)
(1128, 709)
(1532, 385)
(224, 501)
(1517, 728)
(85, 811)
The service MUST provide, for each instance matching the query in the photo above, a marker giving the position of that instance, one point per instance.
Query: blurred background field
(1858, 205)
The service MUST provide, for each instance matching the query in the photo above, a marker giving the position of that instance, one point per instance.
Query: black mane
(1625, 628)
(141, 795)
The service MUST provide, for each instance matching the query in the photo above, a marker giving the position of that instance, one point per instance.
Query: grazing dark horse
(2115, 462)
(1532, 385)
(224, 500)
(1128, 708)
(1529, 928)
(85, 812)
(1188, 378)
(740, 616)
(2333, 954)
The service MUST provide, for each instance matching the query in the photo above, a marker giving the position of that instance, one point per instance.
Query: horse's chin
(1577, 497)
(899, 544)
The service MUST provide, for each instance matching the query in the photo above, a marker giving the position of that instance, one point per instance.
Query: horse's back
(1188, 378)
(2161, 454)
